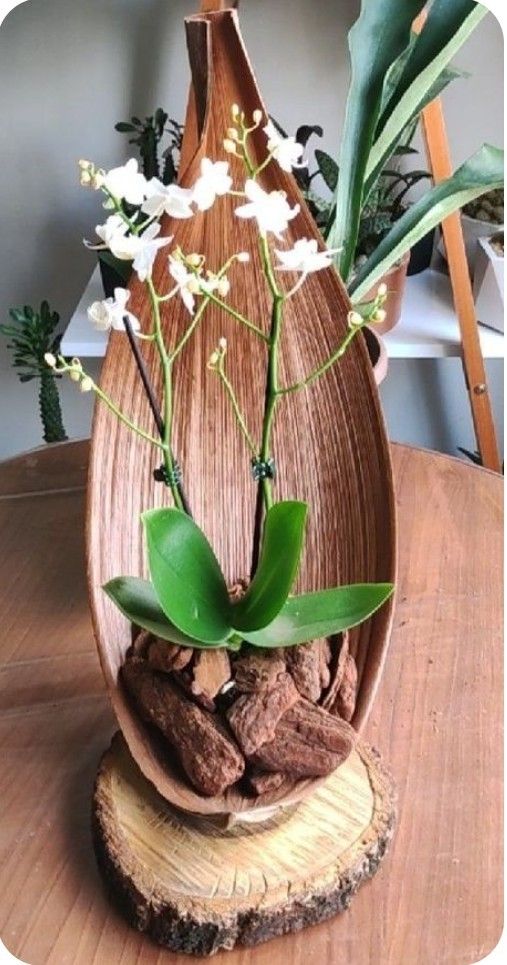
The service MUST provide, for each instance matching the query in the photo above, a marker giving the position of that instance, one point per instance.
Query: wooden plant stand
(196, 887)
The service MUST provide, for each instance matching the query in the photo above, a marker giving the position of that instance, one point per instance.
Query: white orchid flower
(167, 198)
(145, 250)
(214, 182)
(110, 313)
(305, 257)
(126, 183)
(186, 283)
(285, 150)
(271, 209)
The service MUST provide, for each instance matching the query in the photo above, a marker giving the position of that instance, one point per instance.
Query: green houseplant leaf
(482, 172)
(138, 602)
(186, 576)
(321, 614)
(424, 74)
(282, 543)
(376, 40)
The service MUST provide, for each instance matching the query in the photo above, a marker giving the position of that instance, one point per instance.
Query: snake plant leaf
(376, 40)
(424, 75)
(482, 172)
(186, 576)
(282, 543)
(321, 614)
(137, 600)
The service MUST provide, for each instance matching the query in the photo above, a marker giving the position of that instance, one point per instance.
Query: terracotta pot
(395, 280)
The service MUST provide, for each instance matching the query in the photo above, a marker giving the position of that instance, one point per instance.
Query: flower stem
(237, 411)
(237, 315)
(325, 366)
(166, 364)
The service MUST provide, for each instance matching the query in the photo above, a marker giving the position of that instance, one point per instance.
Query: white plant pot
(489, 285)
(473, 231)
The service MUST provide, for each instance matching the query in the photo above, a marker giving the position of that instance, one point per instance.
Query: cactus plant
(32, 336)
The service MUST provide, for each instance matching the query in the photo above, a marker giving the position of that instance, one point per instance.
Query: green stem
(237, 315)
(166, 364)
(323, 368)
(272, 392)
(237, 411)
(126, 421)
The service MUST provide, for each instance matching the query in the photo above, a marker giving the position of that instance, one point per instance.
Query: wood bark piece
(253, 718)
(198, 888)
(308, 742)
(211, 669)
(209, 757)
(331, 446)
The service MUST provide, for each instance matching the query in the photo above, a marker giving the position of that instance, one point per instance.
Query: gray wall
(69, 69)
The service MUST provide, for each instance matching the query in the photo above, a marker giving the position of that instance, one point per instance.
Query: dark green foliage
(157, 161)
(32, 334)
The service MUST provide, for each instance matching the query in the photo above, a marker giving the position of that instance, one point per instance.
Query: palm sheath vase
(330, 445)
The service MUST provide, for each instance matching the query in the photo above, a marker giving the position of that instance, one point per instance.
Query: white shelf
(428, 327)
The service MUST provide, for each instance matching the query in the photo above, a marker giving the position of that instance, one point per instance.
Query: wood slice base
(196, 887)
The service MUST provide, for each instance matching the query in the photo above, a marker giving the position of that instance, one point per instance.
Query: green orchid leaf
(282, 543)
(481, 173)
(376, 40)
(186, 576)
(321, 614)
(138, 602)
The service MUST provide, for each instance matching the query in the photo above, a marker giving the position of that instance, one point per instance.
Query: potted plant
(479, 218)
(214, 668)
(489, 282)
(391, 82)
(33, 334)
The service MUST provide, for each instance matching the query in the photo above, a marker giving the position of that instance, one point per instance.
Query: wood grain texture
(329, 442)
(198, 888)
(437, 720)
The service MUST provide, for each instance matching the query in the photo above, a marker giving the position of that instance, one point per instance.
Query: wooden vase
(330, 442)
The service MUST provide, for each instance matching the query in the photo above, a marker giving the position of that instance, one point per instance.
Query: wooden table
(437, 719)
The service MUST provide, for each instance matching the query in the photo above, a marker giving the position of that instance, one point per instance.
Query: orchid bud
(379, 315)
(382, 290)
(354, 319)
(222, 344)
(86, 384)
(194, 260)
(193, 285)
(50, 360)
(232, 133)
(223, 287)
(213, 360)
(85, 179)
(243, 256)
(257, 117)
(75, 376)
(229, 146)
(84, 165)
(76, 363)
(235, 111)
(98, 180)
